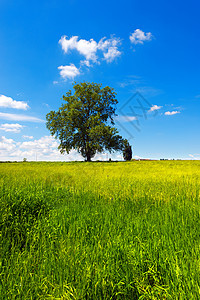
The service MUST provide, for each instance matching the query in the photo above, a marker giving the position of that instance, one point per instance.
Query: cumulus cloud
(155, 107)
(6, 144)
(19, 117)
(84, 47)
(16, 128)
(43, 149)
(89, 48)
(139, 37)
(110, 48)
(45, 144)
(10, 103)
(111, 54)
(85, 62)
(171, 113)
(70, 71)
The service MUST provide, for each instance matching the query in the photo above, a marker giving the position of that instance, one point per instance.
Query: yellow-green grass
(115, 230)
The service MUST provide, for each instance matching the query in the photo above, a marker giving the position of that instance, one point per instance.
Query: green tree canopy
(84, 121)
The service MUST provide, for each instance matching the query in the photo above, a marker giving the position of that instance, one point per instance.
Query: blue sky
(148, 51)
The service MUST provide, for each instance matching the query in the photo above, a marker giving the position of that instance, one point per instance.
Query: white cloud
(84, 47)
(70, 71)
(10, 103)
(30, 137)
(126, 118)
(155, 107)
(195, 156)
(43, 149)
(110, 48)
(43, 144)
(6, 145)
(171, 113)
(18, 117)
(85, 62)
(111, 54)
(16, 128)
(89, 48)
(139, 37)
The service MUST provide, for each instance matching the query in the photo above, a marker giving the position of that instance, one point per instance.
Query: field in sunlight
(100, 230)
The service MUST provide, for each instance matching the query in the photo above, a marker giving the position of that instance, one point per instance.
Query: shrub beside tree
(127, 151)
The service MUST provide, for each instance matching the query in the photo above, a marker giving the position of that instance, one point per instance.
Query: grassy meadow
(100, 230)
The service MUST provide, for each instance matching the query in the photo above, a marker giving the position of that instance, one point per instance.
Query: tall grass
(100, 230)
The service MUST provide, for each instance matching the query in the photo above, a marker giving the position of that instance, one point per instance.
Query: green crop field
(101, 230)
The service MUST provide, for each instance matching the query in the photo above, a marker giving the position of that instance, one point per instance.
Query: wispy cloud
(10, 103)
(19, 117)
(148, 91)
(55, 82)
(134, 82)
(15, 128)
(139, 37)
(30, 137)
(171, 113)
(126, 118)
(138, 84)
(195, 156)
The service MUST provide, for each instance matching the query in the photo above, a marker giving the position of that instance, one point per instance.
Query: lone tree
(84, 121)
(127, 151)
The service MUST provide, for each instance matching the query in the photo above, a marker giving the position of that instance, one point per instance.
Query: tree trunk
(87, 149)
(88, 156)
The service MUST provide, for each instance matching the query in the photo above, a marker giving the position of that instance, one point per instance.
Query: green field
(126, 230)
